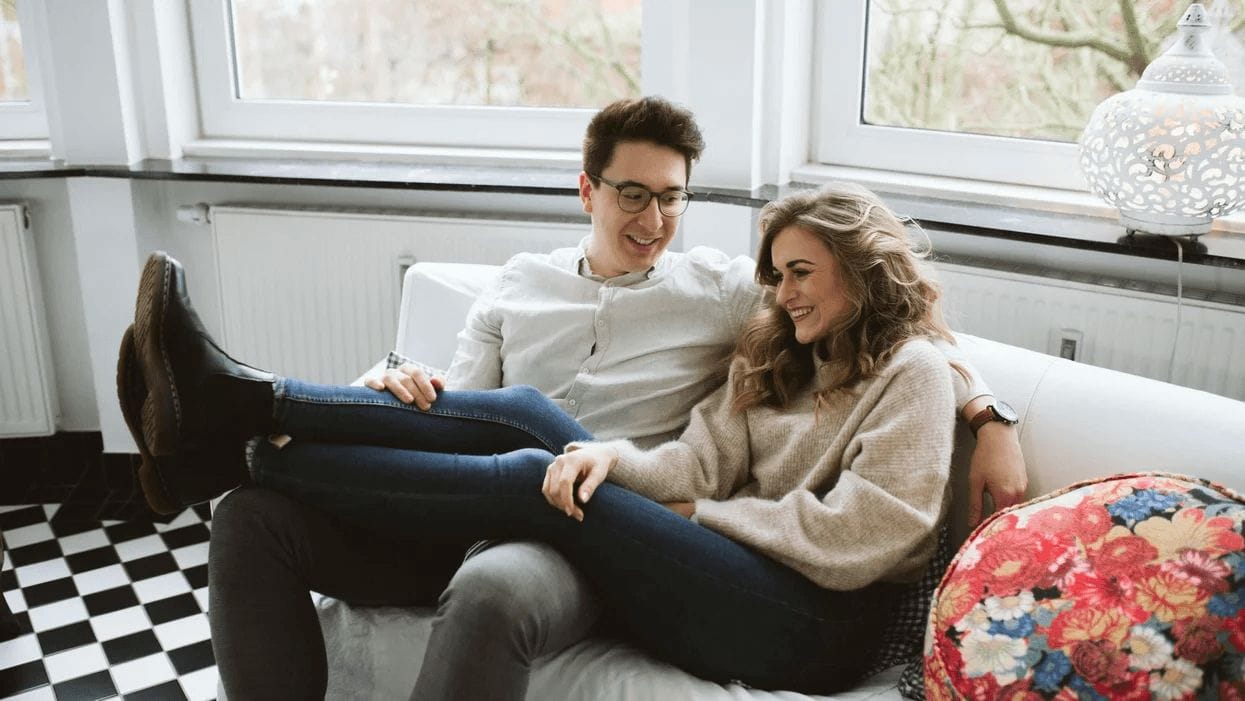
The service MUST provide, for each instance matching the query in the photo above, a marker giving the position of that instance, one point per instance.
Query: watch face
(1004, 411)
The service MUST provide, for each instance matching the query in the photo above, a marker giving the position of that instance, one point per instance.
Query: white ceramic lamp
(1170, 153)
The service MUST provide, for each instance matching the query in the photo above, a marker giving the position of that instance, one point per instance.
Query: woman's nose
(784, 292)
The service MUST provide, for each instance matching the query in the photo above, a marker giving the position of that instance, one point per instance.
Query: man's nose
(651, 218)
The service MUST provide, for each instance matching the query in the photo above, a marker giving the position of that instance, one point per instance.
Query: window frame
(224, 116)
(841, 138)
(27, 120)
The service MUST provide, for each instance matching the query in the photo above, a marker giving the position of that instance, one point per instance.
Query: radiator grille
(27, 405)
(1121, 329)
(315, 294)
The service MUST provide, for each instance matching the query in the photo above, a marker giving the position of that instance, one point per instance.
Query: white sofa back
(1076, 421)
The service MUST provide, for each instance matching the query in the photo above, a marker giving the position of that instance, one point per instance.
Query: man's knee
(524, 591)
(248, 509)
(498, 583)
(253, 526)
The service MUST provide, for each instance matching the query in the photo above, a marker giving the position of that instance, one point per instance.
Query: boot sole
(132, 394)
(161, 409)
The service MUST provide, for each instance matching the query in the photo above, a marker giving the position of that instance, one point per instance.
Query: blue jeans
(472, 468)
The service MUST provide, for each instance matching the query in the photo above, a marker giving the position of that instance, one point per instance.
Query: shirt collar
(584, 270)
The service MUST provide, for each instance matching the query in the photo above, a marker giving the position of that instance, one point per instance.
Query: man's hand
(998, 467)
(585, 469)
(409, 384)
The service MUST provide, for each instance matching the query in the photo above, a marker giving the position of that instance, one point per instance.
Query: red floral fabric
(1128, 587)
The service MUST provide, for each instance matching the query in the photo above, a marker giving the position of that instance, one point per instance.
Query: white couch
(1077, 422)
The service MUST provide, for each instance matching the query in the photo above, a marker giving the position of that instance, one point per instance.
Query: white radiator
(315, 294)
(27, 401)
(1115, 328)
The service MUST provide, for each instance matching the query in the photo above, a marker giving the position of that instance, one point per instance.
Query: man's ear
(585, 192)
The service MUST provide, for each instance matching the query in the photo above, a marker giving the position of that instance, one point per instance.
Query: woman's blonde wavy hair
(891, 298)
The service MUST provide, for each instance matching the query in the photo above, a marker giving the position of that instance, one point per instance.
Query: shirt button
(600, 323)
(572, 402)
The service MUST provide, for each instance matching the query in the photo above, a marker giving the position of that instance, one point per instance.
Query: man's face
(624, 242)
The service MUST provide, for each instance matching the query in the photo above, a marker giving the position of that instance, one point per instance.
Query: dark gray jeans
(504, 607)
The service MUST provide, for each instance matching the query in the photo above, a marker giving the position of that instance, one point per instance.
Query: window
(989, 90)
(21, 105)
(496, 73)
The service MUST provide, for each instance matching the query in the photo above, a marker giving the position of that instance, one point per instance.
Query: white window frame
(26, 120)
(224, 116)
(841, 138)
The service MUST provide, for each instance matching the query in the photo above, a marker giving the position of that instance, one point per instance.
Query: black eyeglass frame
(651, 195)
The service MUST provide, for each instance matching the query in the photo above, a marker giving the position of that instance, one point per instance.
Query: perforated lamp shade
(1170, 153)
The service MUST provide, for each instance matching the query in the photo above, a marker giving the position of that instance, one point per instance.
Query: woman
(815, 478)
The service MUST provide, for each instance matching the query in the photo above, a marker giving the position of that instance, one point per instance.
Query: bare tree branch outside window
(1020, 68)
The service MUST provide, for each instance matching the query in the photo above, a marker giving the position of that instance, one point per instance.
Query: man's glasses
(633, 198)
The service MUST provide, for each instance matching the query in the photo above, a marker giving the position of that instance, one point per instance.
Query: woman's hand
(686, 509)
(997, 467)
(409, 384)
(584, 468)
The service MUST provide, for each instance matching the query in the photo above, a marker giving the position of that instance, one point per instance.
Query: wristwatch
(998, 411)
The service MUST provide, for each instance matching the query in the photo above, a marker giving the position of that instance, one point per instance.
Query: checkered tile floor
(116, 608)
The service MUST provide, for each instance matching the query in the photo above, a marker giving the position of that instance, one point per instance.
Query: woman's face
(809, 283)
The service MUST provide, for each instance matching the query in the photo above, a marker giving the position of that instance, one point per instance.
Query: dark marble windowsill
(1216, 250)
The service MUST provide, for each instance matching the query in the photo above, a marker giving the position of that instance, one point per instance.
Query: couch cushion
(435, 301)
(1131, 586)
(376, 653)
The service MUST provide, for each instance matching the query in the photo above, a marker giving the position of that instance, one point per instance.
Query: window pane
(12, 63)
(534, 53)
(953, 65)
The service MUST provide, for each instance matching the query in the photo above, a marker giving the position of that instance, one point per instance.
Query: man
(625, 337)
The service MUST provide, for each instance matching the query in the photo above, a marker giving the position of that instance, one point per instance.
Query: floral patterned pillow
(1128, 587)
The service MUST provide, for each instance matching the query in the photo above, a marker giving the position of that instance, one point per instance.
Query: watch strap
(984, 417)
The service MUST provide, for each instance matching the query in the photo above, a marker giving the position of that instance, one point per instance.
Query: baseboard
(71, 469)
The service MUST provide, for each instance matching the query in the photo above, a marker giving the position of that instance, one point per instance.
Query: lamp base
(1161, 244)
(1165, 224)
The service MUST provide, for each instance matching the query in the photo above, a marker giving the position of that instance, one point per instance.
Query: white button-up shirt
(629, 356)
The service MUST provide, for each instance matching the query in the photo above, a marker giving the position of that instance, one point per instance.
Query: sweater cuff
(704, 511)
(629, 468)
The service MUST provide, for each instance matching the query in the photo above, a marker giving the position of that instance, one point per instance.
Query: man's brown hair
(653, 119)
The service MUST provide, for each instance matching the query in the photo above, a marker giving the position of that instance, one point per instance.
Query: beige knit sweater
(846, 497)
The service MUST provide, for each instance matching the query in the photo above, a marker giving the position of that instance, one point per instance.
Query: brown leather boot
(188, 404)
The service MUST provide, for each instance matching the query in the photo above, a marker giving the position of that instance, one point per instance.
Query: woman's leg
(688, 594)
(718, 609)
(187, 402)
(477, 422)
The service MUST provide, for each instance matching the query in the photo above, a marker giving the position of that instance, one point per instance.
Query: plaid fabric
(903, 640)
(396, 359)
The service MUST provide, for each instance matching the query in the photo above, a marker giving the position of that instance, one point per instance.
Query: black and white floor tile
(108, 608)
